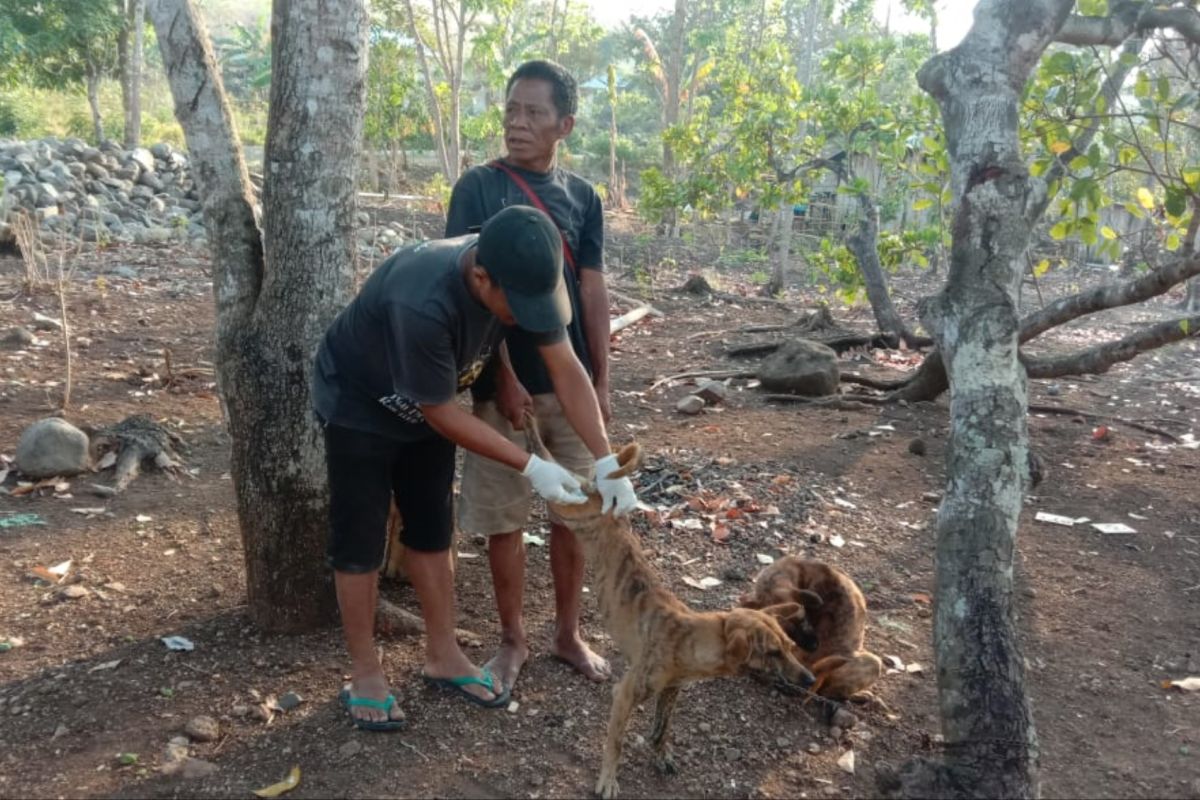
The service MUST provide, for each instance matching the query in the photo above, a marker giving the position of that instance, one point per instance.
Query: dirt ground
(1105, 618)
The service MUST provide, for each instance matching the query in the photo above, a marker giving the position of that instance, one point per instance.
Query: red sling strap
(524, 186)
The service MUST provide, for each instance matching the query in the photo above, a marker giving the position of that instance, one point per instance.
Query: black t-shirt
(414, 335)
(575, 207)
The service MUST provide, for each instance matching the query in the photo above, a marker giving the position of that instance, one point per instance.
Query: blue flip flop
(488, 681)
(349, 702)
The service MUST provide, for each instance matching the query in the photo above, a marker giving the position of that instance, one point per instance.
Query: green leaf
(1185, 325)
(1042, 268)
(922, 204)
(1060, 231)
(1108, 233)
(1135, 210)
(1191, 176)
(1080, 162)
(1145, 198)
(1059, 147)
(1176, 203)
(1172, 242)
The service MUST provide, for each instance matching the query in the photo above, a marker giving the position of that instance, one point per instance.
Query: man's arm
(468, 431)
(576, 395)
(512, 398)
(593, 299)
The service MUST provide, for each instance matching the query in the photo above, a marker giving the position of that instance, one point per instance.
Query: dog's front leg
(660, 736)
(625, 697)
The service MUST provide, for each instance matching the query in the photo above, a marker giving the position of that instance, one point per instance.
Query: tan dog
(829, 631)
(666, 644)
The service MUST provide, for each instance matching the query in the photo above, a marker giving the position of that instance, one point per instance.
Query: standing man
(539, 112)
(386, 376)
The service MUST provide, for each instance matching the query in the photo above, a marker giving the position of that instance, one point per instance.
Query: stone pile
(100, 194)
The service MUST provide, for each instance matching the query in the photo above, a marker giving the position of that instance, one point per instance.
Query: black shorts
(365, 471)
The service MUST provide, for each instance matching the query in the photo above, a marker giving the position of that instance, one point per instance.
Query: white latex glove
(553, 482)
(615, 493)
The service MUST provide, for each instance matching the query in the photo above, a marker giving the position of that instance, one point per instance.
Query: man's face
(532, 126)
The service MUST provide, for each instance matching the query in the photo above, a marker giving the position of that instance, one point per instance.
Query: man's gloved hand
(615, 493)
(553, 482)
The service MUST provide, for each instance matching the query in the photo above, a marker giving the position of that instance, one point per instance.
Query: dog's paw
(607, 788)
(665, 764)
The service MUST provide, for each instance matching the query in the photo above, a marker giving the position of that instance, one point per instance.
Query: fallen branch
(871, 383)
(715, 375)
(622, 322)
(840, 403)
(1074, 412)
(633, 301)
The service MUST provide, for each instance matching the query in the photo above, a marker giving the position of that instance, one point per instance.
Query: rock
(143, 158)
(350, 749)
(732, 754)
(51, 447)
(202, 729)
(289, 701)
(162, 150)
(128, 273)
(711, 392)
(1053, 390)
(917, 447)
(43, 323)
(690, 405)
(813, 748)
(835, 733)
(74, 592)
(152, 181)
(783, 743)
(801, 367)
(1195, 789)
(175, 753)
(60, 731)
(195, 769)
(17, 337)
(96, 171)
(705, 727)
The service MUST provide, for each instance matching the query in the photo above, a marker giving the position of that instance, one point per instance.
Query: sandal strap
(488, 681)
(367, 702)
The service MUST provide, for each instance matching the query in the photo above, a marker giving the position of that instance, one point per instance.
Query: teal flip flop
(488, 681)
(349, 702)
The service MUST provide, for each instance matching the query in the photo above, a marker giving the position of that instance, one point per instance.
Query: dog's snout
(807, 679)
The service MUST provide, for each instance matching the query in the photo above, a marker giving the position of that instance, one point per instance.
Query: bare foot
(458, 666)
(573, 651)
(506, 664)
(373, 686)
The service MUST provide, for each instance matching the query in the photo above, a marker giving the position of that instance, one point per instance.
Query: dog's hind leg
(660, 735)
(626, 695)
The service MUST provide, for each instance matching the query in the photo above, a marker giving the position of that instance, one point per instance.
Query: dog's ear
(629, 458)
(737, 645)
(810, 600)
(784, 610)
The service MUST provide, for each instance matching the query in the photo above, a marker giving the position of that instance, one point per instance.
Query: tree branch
(1112, 295)
(1098, 359)
(1129, 19)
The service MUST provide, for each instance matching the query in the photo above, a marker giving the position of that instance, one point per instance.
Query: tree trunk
(990, 742)
(123, 40)
(435, 109)
(1191, 303)
(783, 247)
(614, 200)
(131, 74)
(273, 304)
(92, 76)
(864, 245)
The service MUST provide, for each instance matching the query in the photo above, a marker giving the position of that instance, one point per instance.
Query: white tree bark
(274, 303)
(990, 740)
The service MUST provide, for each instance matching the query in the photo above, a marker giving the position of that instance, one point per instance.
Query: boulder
(143, 157)
(51, 447)
(801, 367)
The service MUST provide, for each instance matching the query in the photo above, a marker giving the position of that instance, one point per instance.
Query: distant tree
(59, 43)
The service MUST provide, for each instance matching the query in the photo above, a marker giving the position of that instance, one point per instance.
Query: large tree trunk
(92, 78)
(1191, 302)
(990, 741)
(131, 72)
(274, 303)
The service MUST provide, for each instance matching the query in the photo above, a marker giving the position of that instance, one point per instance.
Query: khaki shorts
(498, 499)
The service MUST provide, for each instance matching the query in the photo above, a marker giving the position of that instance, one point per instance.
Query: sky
(954, 16)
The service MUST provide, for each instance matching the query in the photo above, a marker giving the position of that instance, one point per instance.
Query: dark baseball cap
(521, 249)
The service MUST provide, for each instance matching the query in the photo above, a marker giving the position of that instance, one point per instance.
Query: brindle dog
(830, 629)
(666, 644)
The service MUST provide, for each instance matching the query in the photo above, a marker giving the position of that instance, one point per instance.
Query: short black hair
(564, 89)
